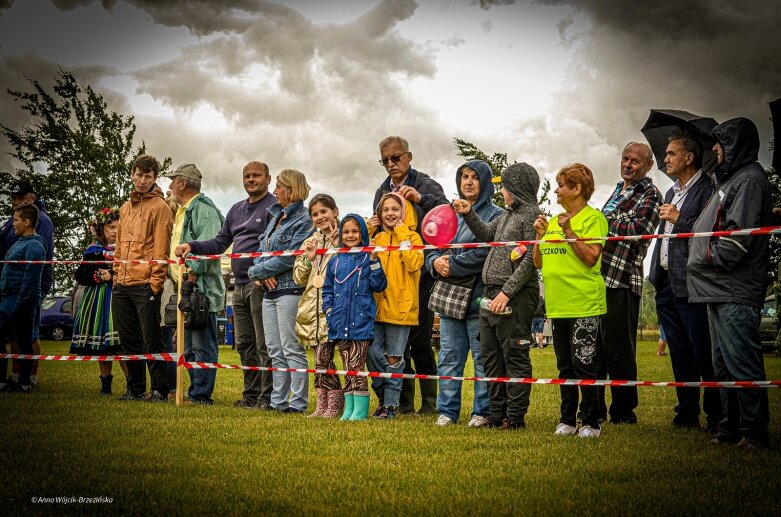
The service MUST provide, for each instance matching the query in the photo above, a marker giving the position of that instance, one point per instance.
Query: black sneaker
(262, 405)
(244, 404)
(154, 396)
(293, 410)
(129, 395)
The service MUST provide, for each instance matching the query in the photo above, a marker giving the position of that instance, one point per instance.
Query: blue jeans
(737, 356)
(201, 346)
(456, 339)
(279, 326)
(389, 340)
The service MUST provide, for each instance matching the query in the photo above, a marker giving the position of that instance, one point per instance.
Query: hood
(484, 174)
(408, 214)
(40, 204)
(135, 197)
(361, 225)
(522, 182)
(739, 139)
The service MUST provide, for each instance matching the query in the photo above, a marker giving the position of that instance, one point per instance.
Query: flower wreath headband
(103, 216)
(106, 214)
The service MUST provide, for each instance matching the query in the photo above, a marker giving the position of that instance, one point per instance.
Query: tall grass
(65, 440)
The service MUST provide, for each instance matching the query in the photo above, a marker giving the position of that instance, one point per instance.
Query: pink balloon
(439, 225)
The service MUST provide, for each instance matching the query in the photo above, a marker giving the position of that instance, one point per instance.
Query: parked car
(56, 318)
(768, 327)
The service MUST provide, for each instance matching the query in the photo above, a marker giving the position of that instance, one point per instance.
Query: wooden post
(179, 336)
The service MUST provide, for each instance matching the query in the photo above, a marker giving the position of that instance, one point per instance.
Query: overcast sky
(316, 85)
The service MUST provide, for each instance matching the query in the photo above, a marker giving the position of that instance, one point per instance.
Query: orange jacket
(143, 233)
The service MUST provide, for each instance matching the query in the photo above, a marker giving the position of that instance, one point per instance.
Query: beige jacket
(311, 327)
(144, 233)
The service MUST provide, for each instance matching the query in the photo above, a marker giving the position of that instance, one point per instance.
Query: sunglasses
(396, 158)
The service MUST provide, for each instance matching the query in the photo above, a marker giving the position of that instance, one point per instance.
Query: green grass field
(65, 440)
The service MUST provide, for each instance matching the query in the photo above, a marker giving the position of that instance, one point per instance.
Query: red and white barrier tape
(766, 230)
(385, 375)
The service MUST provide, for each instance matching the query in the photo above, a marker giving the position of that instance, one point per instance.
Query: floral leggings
(354, 358)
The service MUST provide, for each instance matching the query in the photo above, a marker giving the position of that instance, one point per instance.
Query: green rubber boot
(360, 407)
(348, 407)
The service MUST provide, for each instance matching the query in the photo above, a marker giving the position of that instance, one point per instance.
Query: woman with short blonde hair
(296, 182)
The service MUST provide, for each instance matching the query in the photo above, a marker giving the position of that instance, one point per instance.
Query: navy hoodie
(469, 262)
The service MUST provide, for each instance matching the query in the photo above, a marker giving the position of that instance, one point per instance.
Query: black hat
(21, 188)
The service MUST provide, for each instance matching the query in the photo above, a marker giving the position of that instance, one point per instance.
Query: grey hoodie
(516, 224)
(733, 269)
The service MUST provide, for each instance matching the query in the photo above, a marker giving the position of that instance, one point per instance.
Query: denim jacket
(282, 234)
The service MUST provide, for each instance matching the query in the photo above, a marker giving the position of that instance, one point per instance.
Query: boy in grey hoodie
(505, 340)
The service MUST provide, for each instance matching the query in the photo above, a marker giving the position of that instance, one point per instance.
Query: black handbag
(451, 296)
(194, 305)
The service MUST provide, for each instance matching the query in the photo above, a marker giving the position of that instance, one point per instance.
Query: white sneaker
(589, 432)
(479, 421)
(565, 430)
(444, 421)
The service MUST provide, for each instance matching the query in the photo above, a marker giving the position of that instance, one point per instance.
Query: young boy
(20, 286)
(510, 282)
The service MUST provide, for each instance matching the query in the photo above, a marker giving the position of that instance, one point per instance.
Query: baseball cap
(187, 170)
(21, 188)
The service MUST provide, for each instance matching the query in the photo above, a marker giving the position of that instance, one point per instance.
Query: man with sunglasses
(424, 193)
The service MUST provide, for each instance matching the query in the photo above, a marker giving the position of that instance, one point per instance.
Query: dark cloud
(717, 59)
(14, 74)
(5, 4)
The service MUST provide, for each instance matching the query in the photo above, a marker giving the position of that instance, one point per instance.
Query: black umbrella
(775, 112)
(662, 124)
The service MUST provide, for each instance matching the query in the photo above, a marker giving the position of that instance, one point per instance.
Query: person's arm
(219, 243)
(162, 224)
(744, 210)
(642, 221)
(31, 279)
(431, 194)
(378, 282)
(483, 231)
(587, 253)
(302, 267)
(269, 267)
(412, 259)
(46, 230)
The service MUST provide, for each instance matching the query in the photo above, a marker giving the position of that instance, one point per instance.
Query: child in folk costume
(311, 327)
(349, 306)
(93, 328)
(397, 306)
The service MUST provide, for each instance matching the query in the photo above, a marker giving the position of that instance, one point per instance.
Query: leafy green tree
(497, 162)
(85, 152)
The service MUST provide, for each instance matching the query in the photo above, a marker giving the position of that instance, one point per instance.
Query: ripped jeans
(389, 340)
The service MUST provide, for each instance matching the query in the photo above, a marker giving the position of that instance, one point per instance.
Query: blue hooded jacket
(22, 282)
(463, 262)
(45, 230)
(350, 281)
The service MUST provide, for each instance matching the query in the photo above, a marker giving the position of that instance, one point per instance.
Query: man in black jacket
(729, 274)
(424, 193)
(685, 323)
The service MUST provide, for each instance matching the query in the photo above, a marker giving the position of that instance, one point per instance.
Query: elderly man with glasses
(424, 193)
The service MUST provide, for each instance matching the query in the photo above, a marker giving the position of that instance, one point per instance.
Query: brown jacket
(144, 233)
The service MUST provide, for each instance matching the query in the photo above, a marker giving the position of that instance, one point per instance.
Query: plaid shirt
(635, 211)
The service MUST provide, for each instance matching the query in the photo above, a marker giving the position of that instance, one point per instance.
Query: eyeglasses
(396, 158)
